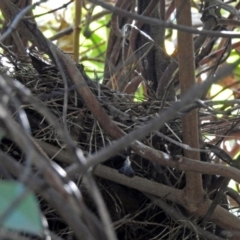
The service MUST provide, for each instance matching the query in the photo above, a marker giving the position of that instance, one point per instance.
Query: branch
(190, 125)
(154, 124)
(40, 186)
(165, 24)
(183, 220)
(220, 216)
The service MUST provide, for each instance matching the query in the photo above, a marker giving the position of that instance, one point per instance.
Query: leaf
(25, 216)
(139, 95)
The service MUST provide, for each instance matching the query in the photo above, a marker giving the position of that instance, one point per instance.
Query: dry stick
(69, 30)
(234, 195)
(90, 182)
(163, 85)
(113, 55)
(12, 26)
(65, 5)
(72, 71)
(26, 96)
(183, 220)
(115, 21)
(217, 199)
(216, 53)
(170, 9)
(77, 30)
(148, 130)
(158, 22)
(90, 100)
(221, 154)
(24, 141)
(154, 124)
(11, 30)
(96, 195)
(227, 7)
(140, 184)
(150, 127)
(190, 125)
(86, 93)
(144, 185)
(155, 156)
(47, 169)
(229, 22)
(229, 221)
(134, 33)
(50, 195)
(40, 42)
(55, 123)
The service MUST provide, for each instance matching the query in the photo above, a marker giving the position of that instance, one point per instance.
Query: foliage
(19, 208)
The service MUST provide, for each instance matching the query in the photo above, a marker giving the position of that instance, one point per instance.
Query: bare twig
(183, 220)
(153, 21)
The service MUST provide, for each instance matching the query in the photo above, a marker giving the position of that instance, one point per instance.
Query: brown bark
(193, 189)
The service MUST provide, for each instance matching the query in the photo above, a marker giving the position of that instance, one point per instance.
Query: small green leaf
(25, 217)
(139, 94)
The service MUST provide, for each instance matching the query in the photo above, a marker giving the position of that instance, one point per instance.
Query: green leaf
(26, 215)
(139, 94)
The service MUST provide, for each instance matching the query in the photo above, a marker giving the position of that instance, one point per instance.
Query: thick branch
(194, 190)
(220, 216)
